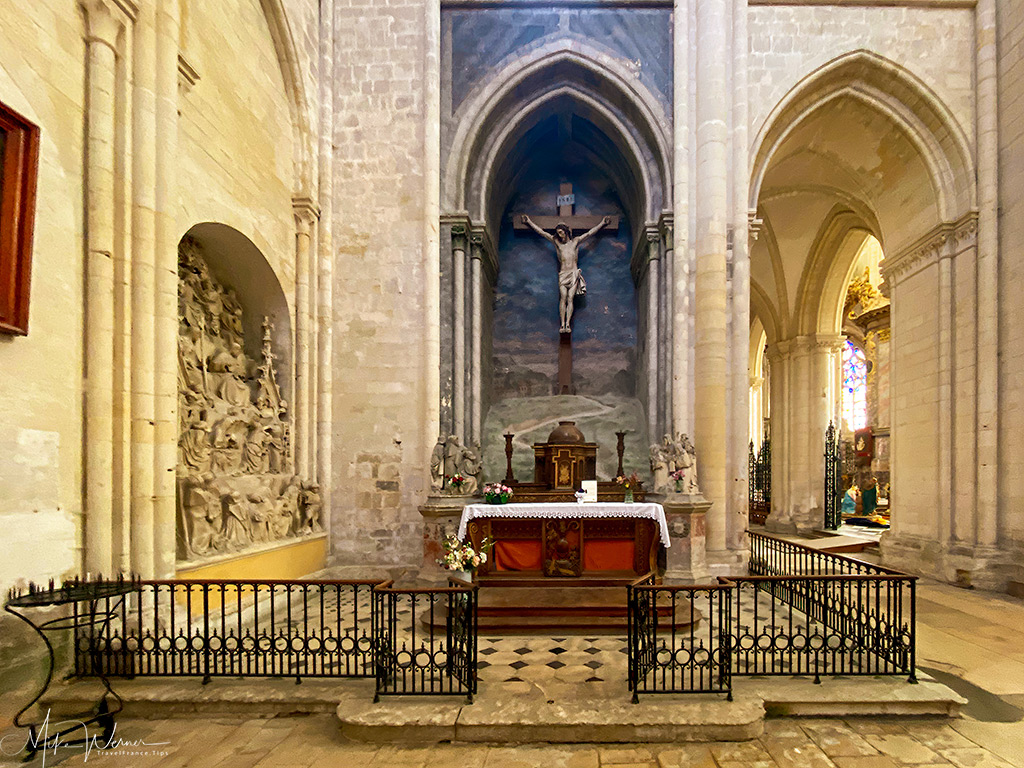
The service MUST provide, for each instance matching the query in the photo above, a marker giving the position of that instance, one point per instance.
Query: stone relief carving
(236, 485)
(674, 465)
(450, 458)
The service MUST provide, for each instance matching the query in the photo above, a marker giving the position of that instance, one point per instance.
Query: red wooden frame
(17, 217)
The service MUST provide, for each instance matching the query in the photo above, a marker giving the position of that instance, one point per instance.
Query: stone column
(476, 342)
(778, 357)
(431, 217)
(667, 325)
(987, 419)
(680, 218)
(739, 436)
(325, 248)
(459, 332)
(711, 366)
(653, 340)
(166, 287)
(143, 293)
(103, 25)
(305, 219)
(802, 407)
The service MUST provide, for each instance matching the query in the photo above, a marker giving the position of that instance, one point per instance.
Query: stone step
(523, 711)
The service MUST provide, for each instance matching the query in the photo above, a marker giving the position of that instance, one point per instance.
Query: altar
(604, 540)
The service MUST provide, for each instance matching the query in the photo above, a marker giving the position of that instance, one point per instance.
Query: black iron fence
(833, 479)
(770, 556)
(760, 489)
(262, 628)
(800, 612)
(678, 638)
(427, 640)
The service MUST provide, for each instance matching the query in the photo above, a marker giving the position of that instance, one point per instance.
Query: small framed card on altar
(589, 491)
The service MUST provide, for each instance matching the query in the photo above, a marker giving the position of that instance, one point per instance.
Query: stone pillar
(739, 436)
(103, 25)
(459, 333)
(667, 327)
(987, 417)
(711, 365)
(431, 241)
(653, 334)
(802, 407)
(680, 218)
(143, 293)
(305, 220)
(778, 385)
(325, 244)
(476, 341)
(166, 287)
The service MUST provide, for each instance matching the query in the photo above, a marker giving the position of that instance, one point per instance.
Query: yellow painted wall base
(289, 561)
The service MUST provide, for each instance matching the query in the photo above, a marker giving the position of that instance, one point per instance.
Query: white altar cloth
(572, 510)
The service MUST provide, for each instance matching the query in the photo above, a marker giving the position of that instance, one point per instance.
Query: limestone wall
(382, 330)
(1011, 158)
(787, 43)
(41, 76)
(236, 138)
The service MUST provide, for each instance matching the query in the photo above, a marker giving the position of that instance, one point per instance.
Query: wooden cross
(566, 204)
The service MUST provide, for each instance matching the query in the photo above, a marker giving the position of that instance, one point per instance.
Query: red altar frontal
(603, 540)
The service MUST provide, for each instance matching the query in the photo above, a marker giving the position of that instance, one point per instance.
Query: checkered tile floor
(577, 659)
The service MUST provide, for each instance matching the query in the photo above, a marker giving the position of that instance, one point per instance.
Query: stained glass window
(855, 387)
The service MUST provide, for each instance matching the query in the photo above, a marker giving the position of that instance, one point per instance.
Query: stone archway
(859, 147)
(567, 96)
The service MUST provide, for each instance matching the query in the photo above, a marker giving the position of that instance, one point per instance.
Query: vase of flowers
(628, 483)
(461, 559)
(456, 482)
(497, 493)
(677, 477)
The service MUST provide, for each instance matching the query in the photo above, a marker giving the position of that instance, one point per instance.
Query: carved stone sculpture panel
(236, 485)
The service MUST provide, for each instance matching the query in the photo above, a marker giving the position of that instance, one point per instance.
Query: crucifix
(570, 278)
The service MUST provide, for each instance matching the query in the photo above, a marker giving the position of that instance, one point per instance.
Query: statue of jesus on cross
(570, 278)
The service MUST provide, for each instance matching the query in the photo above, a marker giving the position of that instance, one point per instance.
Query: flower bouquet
(497, 493)
(678, 476)
(456, 482)
(461, 558)
(629, 483)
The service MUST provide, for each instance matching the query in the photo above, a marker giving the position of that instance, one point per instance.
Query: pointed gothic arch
(562, 73)
(895, 92)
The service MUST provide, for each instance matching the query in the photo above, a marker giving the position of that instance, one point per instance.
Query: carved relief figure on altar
(674, 465)
(236, 484)
(450, 458)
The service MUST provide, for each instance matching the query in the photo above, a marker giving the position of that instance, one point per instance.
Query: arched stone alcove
(557, 116)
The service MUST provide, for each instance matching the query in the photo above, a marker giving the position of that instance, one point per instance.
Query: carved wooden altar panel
(563, 543)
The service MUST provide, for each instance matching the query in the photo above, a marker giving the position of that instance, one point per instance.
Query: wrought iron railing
(833, 479)
(678, 638)
(800, 612)
(760, 489)
(770, 556)
(426, 640)
(232, 628)
(410, 641)
(823, 625)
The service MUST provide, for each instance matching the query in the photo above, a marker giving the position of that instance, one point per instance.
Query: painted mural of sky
(526, 296)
